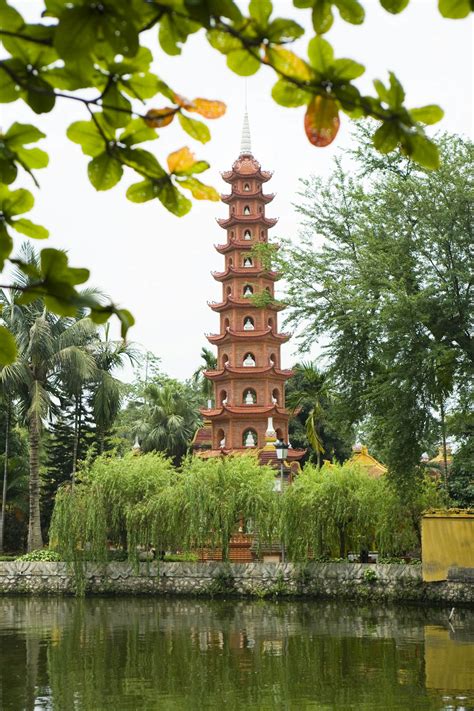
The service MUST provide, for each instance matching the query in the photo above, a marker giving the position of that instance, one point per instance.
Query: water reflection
(150, 654)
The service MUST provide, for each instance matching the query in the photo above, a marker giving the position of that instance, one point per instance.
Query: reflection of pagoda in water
(249, 383)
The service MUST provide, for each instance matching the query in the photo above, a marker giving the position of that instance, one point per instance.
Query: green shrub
(181, 558)
(370, 576)
(41, 556)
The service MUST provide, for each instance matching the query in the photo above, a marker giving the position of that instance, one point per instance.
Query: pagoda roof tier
(245, 272)
(245, 303)
(266, 198)
(264, 456)
(230, 335)
(243, 411)
(246, 166)
(240, 244)
(249, 372)
(226, 222)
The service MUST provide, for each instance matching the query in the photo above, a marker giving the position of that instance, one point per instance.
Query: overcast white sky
(158, 265)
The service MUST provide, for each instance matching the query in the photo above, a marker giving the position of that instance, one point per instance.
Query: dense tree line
(143, 502)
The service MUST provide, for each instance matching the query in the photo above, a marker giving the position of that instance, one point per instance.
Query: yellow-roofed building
(361, 456)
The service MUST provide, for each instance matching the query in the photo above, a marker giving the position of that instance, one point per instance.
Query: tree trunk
(35, 539)
(5, 474)
(445, 450)
(75, 449)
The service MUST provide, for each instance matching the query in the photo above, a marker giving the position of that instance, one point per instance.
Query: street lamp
(282, 454)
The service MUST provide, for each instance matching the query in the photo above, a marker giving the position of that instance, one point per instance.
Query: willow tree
(217, 494)
(99, 510)
(329, 511)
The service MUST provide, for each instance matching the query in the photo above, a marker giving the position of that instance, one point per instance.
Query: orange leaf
(157, 118)
(209, 109)
(180, 160)
(321, 121)
(183, 102)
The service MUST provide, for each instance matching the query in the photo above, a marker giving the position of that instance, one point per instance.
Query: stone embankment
(394, 582)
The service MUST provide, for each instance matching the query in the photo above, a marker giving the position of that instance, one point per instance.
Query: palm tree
(107, 391)
(169, 420)
(50, 353)
(202, 384)
(312, 391)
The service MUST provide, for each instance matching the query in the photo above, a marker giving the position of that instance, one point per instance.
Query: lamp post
(281, 448)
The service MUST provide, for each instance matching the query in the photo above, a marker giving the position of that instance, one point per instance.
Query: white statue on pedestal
(250, 439)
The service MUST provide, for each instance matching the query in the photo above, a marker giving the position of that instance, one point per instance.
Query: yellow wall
(447, 541)
(449, 662)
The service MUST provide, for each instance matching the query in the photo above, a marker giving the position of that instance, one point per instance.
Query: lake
(186, 654)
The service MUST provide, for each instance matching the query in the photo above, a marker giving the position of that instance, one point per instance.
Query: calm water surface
(128, 653)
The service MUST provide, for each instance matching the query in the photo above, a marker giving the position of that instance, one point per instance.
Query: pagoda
(248, 410)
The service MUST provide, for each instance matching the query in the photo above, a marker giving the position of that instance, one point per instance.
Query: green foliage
(330, 511)
(370, 576)
(98, 55)
(389, 291)
(316, 423)
(41, 556)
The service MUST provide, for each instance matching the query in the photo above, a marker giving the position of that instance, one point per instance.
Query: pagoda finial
(245, 145)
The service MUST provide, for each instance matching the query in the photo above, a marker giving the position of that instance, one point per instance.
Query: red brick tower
(249, 383)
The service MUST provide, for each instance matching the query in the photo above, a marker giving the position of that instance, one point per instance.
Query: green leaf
(396, 93)
(289, 64)
(8, 349)
(137, 132)
(143, 162)
(6, 244)
(347, 69)
(196, 129)
(386, 137)
(422, 151)
(382, 91)
(126, 320)
(173, 199)
(85, 133)
(8, 171)
(141, 86)
(242, 62)
(174, 32)
(260, 11)
(287, 94)
(223, 41)
(8, 87)
(142, 192)
(394, 6)
(16, 202)
(20, 134)
(104, 171)
(116, 108)
(199, 190)
(321, 54)
(77, 32)
(39, 95)
(427, 114)
(454, 9)
(30, 229)
(281, 30)
(33, 158)
(350, 11)
(322, 16)
(10, 19)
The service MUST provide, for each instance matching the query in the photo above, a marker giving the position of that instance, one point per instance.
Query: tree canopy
(384, 276)
(97, 55)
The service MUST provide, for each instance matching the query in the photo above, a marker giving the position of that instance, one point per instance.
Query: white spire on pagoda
(245, 145)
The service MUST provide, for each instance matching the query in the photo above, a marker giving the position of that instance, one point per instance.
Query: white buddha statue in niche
(248, 262)
(248, 324)
(250, 439)
(249, 361)
(249, 398)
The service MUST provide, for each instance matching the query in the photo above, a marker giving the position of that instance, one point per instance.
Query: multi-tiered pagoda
(248, 410)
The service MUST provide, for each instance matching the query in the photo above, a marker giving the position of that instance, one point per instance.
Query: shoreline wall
(387, 582)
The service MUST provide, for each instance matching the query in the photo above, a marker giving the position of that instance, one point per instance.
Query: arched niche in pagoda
(249, 397)
(249, 438)
(249, 360)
